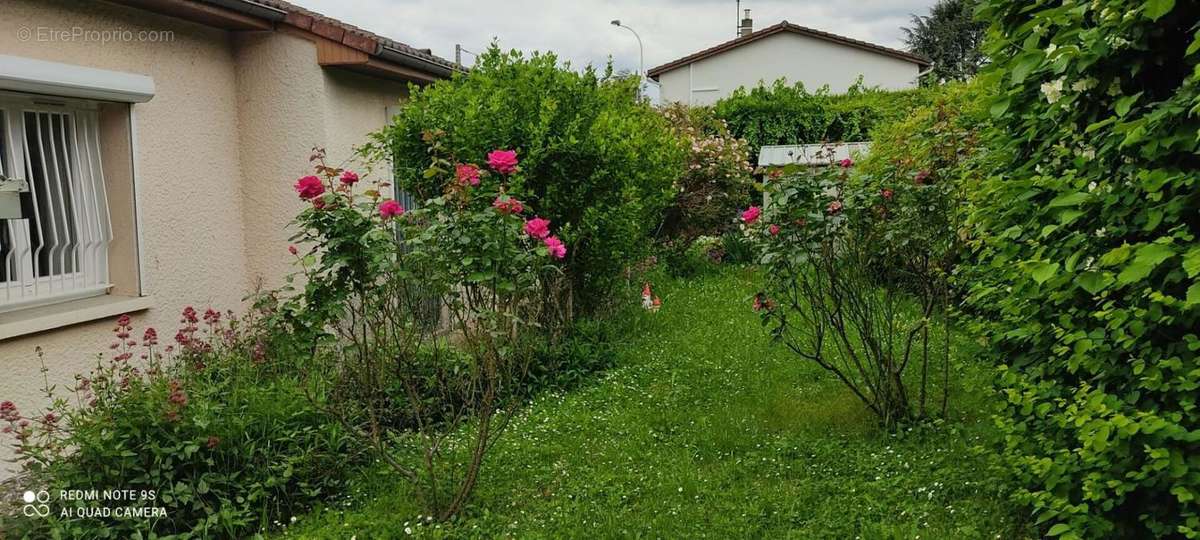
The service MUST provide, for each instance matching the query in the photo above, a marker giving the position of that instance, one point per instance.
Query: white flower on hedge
(1050, 50)
(1083, 85)
(1053, 90)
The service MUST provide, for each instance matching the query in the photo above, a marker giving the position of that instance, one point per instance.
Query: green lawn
(705, 429)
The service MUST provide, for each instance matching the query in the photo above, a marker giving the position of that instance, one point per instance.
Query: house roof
(341, 44)
(785, 26)
(348, 33)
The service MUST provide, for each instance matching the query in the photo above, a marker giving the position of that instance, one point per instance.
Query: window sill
(40, 319)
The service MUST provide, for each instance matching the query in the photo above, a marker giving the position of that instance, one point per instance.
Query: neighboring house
(149, 149)
(795, 53)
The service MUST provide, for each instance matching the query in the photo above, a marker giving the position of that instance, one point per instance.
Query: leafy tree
(950, 37)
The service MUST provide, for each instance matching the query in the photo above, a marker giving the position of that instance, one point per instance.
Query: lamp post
(641, 54)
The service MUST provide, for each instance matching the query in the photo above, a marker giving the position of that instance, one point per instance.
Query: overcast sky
(579, 30)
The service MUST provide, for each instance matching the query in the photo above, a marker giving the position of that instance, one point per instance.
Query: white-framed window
(55, 233)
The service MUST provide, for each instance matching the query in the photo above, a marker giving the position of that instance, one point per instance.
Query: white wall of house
(229, 129)
(797, 58)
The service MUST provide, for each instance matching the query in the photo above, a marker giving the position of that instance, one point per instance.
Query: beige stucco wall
(797, 58)
(216, 151)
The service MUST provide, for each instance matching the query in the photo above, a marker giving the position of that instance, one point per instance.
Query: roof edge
(785, 26)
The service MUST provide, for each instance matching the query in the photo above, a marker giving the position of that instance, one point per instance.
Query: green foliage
(596, 161)
(782, 114)
(222, 449)
(1089, 261)
(936, 156)
(951, 38)
(703, 254)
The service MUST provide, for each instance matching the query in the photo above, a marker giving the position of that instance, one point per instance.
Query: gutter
(408, 59)
(252, 8)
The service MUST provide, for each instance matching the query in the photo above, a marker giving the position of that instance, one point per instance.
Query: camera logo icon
(35, 504)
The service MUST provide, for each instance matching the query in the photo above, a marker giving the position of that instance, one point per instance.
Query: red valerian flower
(349, 177)
(8, 411)
(920, 178)
(189, 316)
(390, 209)
(467, 174)
(846, 163)
(310, 187)
(750, 215)
(834, 207)
(773, 229)
(503, 161)
(887, 194)
(150, 337)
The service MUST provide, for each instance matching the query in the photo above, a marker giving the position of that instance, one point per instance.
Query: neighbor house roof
(780, 28)
(340, 44)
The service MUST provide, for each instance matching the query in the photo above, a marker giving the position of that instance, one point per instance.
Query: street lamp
(641, 54)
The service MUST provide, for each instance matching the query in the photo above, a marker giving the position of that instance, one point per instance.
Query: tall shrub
(714, 182)
(1090, 261)
(595, 159)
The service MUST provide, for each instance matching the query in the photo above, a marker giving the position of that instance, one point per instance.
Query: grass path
(706, 430)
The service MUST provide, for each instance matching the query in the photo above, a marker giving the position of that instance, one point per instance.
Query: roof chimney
(747, 24)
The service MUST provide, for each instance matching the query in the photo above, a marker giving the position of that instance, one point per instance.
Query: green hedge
(782, 114)
(1090, 261)
(596, 160)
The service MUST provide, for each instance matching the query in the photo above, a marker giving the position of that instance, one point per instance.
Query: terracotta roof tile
(349, 34)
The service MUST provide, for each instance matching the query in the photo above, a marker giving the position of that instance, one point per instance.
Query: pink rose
(467, 174)
(846, 163)
(293, 250)
(920, 178)
(390, 209)
(537, 227)
(835, 207)
(887, 194)
(773, 229)
(555, 246)
(751, 215)
(310, 187)
(504, 161)
(349, 177)
(508, 205)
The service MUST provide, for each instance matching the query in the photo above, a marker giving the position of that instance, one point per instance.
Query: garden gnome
(657, 304)
(647, 302)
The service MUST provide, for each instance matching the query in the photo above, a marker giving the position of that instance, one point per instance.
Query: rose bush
(830, 292)
(715, 180)
(399, 382)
